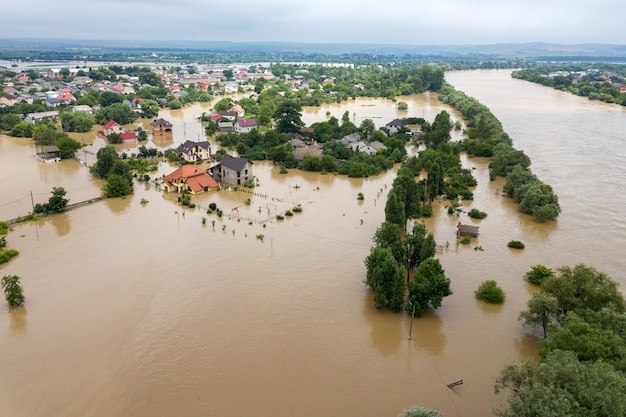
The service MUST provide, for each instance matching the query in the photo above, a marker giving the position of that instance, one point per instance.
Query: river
(140, 309)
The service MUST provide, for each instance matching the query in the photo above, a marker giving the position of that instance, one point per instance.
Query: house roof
(109, 124)
(246, 122)
(196, 178)
(234, 163)
(161, 121)
(396, 123)
(128, 136)
(189, 145)
(228, 113)
(466, 228)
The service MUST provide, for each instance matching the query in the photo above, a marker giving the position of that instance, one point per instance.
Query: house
(82, 107)
(48, 153)
(350, 139)
(395, 125)
(161, 127)
(363, 148)
(8, 99)
(112, 127)
(466, 230)
(314, 151)
(377, 145)
(233, 170)
(238, 109)
(52, 101)
(35, 117)
(128, 136)
(230, 115)
(245, 125)
(189, 178)
(194, 151)
(225, 127)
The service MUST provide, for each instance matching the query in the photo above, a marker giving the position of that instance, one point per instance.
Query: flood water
(138, 309)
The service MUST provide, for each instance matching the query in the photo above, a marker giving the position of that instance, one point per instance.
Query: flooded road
(138, 309)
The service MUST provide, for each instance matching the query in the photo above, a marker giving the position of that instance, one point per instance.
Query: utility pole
(32, 201)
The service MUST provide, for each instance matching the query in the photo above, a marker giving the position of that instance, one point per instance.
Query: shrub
(360, 196)
(283, 170)
(538, 273)
(288, 213)
(260, 237)
(515, 244)
(279, 217)
(465, 240)
(247, 201)
(476, 214)
(13, 291)
(490, 292)
(249, 184)
(4, 228)
(143, 201)
(213, 206)
(192, 205)
(7, 255)
(297, 209)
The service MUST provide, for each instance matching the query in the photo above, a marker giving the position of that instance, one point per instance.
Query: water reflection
(18, 319)
(387, 331)
(427, 333)
(119, 205)
(60, 222)
(489, 309)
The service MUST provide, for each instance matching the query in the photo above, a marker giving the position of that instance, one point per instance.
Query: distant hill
(536, 50)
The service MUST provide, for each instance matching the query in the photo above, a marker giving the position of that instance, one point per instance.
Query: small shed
(466, 230)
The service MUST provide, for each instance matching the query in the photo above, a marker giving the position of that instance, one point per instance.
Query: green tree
(429, 286)
(386, 278)
(538, 273)
(58, 201)
(109, 97)
(367, 127)
(22, 130)
(149, 108)
(389, 235)
(13, 291)
(222, 105)
(541, 311)
(394, 210)
(80, 121)
(8, 121)
(562, 386)
(489, 292)
(151, 78)
(67, 147)
(119, 112)
(107, 156)
(416, 411)
(288, 117)
(117, 186)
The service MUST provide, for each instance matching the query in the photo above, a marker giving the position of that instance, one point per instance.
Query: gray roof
(189, 145)
(236, 164)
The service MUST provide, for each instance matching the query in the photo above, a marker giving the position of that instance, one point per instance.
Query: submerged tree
(13, 291)
(429, 286)
(386, 278)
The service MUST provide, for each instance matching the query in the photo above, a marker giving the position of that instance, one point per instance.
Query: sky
(412, 22)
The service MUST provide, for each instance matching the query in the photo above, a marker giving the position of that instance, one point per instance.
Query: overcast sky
(417, 22)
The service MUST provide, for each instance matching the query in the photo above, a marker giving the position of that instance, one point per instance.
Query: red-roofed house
(112, 127)
(245, 125)
(189, 178)
(128, 136)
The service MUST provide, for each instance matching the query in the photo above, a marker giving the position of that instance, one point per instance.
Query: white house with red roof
(112, 127)
(189, 178)
(245, 125)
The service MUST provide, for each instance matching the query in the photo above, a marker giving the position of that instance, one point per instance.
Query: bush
(465, 240)
(7, 255)
(515, 244)
(538, 273)
(297, 209)
(13, 291)
(288, 213)
(4, 228)
(476, 214)
(213, 206)
(490, 292)
(279, 217)
(360, 196)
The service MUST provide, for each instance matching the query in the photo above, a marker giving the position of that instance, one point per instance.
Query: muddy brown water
(142, 310)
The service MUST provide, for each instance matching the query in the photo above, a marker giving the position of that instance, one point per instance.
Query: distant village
(58, 89)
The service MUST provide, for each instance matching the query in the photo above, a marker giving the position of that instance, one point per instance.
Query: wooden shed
(466, 230)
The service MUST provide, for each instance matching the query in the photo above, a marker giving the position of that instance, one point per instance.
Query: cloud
(365, 21)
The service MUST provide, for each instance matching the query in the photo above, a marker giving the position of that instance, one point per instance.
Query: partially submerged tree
(386, 278)
(13, 291)
(429, 286)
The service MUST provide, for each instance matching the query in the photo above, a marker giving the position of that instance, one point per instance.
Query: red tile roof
(109, 124)
(128, 136)
(196, 178)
